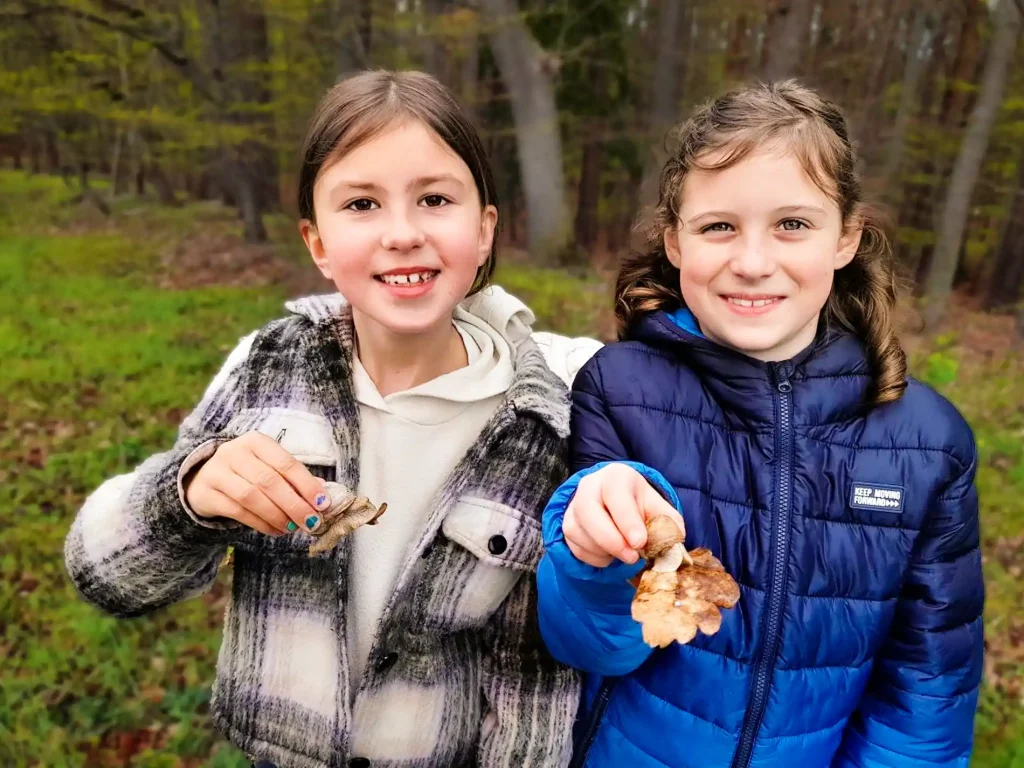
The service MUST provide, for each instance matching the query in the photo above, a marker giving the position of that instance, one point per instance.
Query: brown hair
(723, 132)
(363, 106)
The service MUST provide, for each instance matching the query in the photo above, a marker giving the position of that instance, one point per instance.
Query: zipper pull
(782, 378)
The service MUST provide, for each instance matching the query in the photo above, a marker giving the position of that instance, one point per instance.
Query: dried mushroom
(679, 592)
(346, 513)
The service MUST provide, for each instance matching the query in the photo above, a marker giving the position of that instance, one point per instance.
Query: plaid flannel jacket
(458, 674)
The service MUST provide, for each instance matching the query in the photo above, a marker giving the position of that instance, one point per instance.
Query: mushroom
(681, 592)
(346, 513)
(665, 544)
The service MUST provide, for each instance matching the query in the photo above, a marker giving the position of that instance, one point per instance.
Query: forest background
(148, 157)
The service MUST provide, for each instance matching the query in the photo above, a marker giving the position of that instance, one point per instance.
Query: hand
(256, 482)
(607, 517)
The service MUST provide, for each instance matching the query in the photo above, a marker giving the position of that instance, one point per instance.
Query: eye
(793, 225)
(718, 226)
(361, 205)
(435, 201)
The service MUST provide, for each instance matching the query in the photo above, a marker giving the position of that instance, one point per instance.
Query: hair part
(362, 107)
(794, 118)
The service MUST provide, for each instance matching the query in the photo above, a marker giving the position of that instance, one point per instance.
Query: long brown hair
(363, 106)
(723, 132)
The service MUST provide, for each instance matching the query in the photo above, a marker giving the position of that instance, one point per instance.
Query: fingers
(306, 484)
(621, 501)
(268, 483)
(251, 499)
(217, 504)
(590, 526)
(652, 504)
(607, 516)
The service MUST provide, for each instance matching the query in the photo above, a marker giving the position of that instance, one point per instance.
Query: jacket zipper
(604, 693)
(780, 557)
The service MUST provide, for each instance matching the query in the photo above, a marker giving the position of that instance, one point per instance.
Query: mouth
(407, 277)
(752, 304)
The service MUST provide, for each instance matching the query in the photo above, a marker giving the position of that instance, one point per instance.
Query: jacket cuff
(198, 456)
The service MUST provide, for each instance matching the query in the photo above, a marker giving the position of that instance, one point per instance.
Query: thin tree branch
(180, 61)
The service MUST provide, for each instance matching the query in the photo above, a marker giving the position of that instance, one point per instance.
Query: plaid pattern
(458, 675)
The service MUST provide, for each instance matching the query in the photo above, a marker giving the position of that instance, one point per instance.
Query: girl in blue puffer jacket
(760, 389)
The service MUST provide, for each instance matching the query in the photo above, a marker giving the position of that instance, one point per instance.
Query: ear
(488, 224)
(848, 245)
(315, 246)
(671, 240)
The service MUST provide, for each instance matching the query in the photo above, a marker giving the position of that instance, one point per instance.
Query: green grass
(99, 366)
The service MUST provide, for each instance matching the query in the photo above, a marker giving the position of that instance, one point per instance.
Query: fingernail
(311, 521)
(322, 500)
(636, 539)
(629, 556)
(292, 526)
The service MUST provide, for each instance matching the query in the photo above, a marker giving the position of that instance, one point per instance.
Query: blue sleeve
(585, 611)
(920, 702)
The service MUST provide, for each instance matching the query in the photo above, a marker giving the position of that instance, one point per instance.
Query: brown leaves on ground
(222, 259)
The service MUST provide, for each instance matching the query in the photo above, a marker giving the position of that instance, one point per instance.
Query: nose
(752, 258)
(402, 233)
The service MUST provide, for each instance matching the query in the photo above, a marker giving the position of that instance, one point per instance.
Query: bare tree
(528, 74)
(968, 161)
(788, 29)
(918, 54)
(668, 73)
(1007, 278)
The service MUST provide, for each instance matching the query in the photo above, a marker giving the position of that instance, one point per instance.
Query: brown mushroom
(679, 593)
(346, 513)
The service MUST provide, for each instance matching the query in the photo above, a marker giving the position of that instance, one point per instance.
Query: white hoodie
(411, 442)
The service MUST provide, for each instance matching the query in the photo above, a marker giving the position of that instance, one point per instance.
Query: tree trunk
(589, 196)
(918, 53)
(249, 207)
(470, 74)
(969, 160)
(1007, 278)
(788, 30)
(164, 188)
(351, 24)
(525, 68)
(664, 94)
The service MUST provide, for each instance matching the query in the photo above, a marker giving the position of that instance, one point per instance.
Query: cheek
(697, 268)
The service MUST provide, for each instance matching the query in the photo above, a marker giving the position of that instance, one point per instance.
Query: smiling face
(400, 230)
(757, 245)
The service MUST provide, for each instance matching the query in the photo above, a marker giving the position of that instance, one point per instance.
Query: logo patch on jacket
(881, 498)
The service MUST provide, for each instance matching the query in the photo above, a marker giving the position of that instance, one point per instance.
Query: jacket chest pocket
(492, 546)
(306, 436)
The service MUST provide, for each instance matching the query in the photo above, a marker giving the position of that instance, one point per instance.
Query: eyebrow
(422, 181)
(783, 209)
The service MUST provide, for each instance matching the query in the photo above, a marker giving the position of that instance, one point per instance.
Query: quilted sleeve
(585, 611)
(919, 706)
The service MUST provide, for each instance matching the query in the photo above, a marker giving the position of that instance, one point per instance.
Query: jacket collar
(746, 386)
(535, 389)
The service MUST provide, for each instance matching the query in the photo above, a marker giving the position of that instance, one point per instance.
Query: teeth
(413, 279)
(751, 302)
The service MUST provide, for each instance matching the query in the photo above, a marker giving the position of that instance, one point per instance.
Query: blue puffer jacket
(853, 533)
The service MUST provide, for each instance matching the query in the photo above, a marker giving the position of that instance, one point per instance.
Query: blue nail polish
(321, 501)
(311, 521)
(292, 526)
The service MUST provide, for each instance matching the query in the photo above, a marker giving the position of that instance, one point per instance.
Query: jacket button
(497, 544)
(358, 762)
(384, 663)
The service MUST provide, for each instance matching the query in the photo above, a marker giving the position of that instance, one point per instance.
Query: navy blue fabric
(857, 640)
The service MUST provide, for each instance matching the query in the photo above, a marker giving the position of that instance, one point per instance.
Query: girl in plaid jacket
(413, 642)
